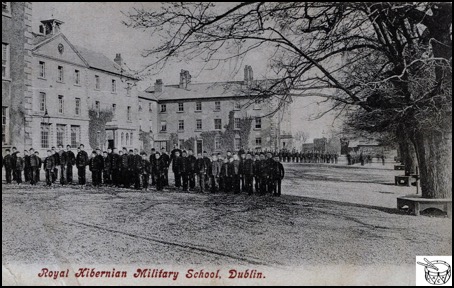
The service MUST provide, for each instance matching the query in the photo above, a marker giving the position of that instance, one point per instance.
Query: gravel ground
(328, 214)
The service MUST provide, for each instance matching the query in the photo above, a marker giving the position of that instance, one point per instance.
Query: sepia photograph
(226, 143)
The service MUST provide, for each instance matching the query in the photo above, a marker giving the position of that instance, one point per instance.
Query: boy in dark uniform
(201, 172)
(165, 158)
(277, 174)
(160, 170)
(96, 167)
(20, 165)
(225, 176)
(146, 171)
(192, 170)
(125, 168)
(107, 166)
(176, 167)
(70, 162)
(248, 173)
(8, 164)
(34, 167)
(115, 166)
(27, 167)
(49, 165)
(63, 163)
(13, 162)
(185, 170)
(153, 165)
(81, 164)
(137, 169)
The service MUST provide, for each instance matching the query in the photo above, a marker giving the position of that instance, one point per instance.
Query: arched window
(127, 138)
(130, 140)
(122, 139)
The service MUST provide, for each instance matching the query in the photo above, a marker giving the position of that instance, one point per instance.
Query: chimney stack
(158, 86)
(185, 79)
(118, 59)
(248, 75)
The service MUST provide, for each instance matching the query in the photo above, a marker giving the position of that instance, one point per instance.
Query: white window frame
(197, 122)
(163, 126)
(236, 123)
(129, 113)
(237, 105)
(114, 86)
(181, 107)
(256, 142)
(217, 143)
(5, 125)
(237, 148)
(220, 127)
(42, 102)
(217, 105)
(76, 77)
(198, 106)
(78, 103)
(42, 69)
(180, 125)
(97, 108)
(258, 123)
(45, 128)
(60, 74)
(75, 136)
(163, 108)
(97, 82)
(6, 60)
(61, 104)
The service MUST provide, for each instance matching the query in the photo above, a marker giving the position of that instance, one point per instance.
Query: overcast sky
(98, 26)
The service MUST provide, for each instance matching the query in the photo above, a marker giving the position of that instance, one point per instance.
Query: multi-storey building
(80, 96)
(16, 74)
(218, 116)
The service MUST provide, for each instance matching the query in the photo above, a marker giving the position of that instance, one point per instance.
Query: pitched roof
(202, 91)
(99, 61)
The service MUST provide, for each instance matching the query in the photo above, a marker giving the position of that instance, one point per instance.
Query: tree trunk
(407, 152)
(434, 151)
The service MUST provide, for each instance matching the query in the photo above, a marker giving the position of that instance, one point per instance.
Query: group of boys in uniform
(248, 172)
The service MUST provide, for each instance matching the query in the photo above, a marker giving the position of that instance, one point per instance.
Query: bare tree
(317, 49)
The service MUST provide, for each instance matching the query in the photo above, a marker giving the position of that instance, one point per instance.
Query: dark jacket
(236, 167)
(161, 166)
(201, 167)
(81, 159)
(56, 158)
(8, 162)
(185, 166)
(146, 167)
(107, 163)
(276, 171)
(20, 164)
(216, 168)
(225, 170)
(165, 161)
(176, 164)
(131, 162)
(208, 165)
(49, 163)
(63, 158)
(96, 163)
(124, 161)
(27, 161)
(248, 167)
(70, 158)
(34, 161)
(116, 161)
(193, 163)
(13, 160)
(137, 163)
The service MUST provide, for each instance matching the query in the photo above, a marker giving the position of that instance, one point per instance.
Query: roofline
(208, 98)
(146, 98)
(112, 73)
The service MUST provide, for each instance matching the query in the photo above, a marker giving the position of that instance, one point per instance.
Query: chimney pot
(158, 86)
(118, 59)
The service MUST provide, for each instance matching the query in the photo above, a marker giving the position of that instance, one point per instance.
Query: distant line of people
(307, 157)
(364, 158)
(260, 173)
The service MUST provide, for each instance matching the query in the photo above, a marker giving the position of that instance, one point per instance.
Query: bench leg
(416, 208)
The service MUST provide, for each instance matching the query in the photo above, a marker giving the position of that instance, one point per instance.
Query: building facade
(80, 96)
(216, 117)
(16, 74)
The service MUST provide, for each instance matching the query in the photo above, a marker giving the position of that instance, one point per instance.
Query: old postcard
(240, 143)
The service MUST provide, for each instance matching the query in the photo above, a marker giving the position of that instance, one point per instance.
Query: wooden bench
(399, 167)
(416, 204)
(402, 180)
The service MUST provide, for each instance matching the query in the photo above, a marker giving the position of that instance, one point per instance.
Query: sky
(98, 26)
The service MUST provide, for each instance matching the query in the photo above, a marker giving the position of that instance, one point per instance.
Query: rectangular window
(237, 105)
(42, 102)
(217, 124)
(128, 89)
(140, 106)
(258, 123)
(78, 106)
(114, 86)
(258, 142)
(163, 126)
(198, 106)
(42, 69)
(61, 104)
(97, 108)
(217, 105)
(150, 107)
(199, 124)
(217, 143)
(45, 128)
(5, 60)
(5, 125)
(237, 123)
(97, 82)
(61, 76)
(129, 116)
(180, 107)
(77, 77)
(75, 136)
(181, 143)
(180, 125)
(163, 108)
(61, 134)
(114, 109)
(237, 144)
